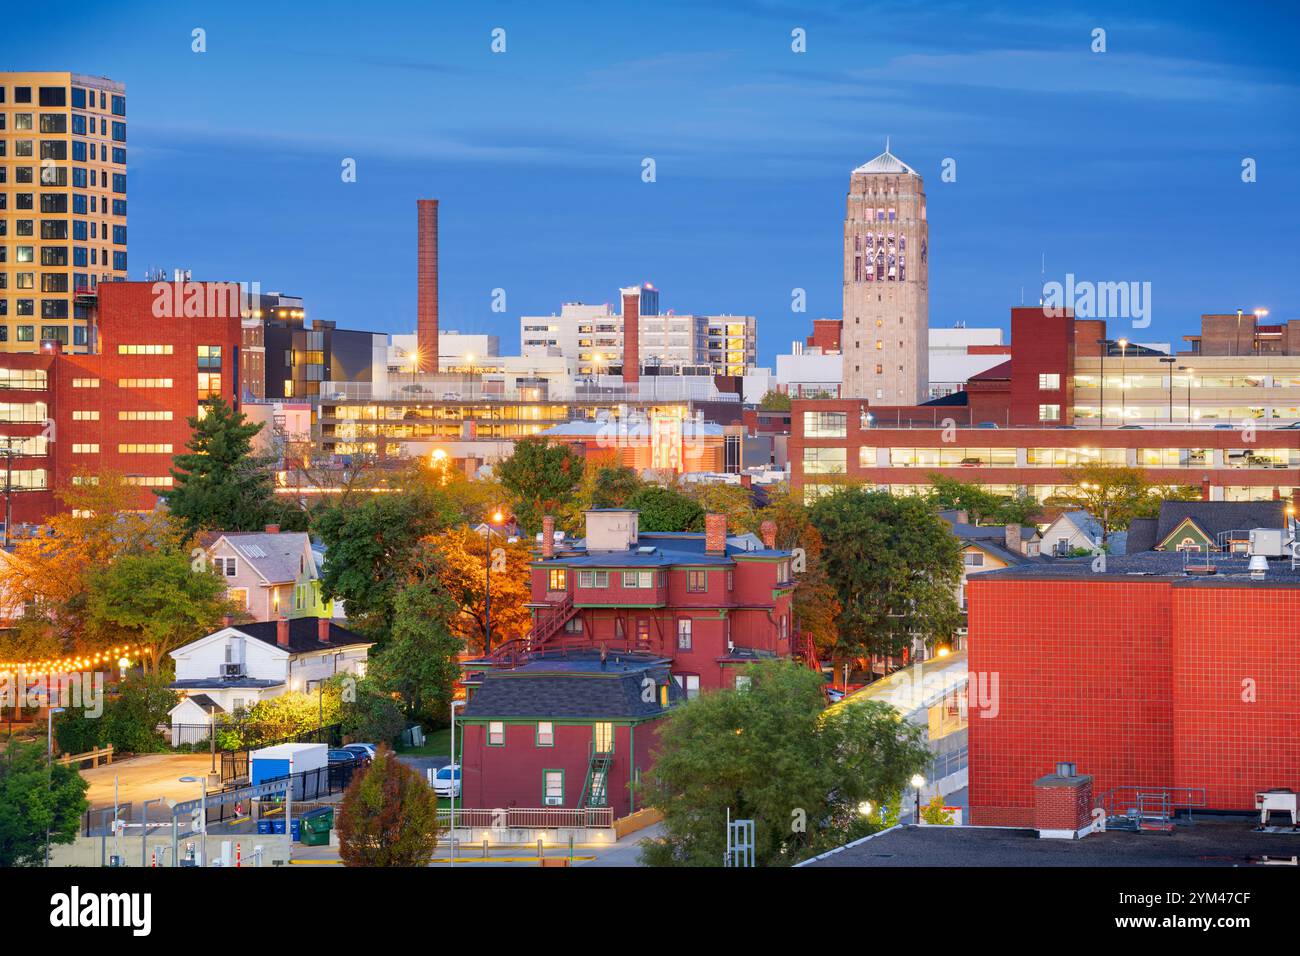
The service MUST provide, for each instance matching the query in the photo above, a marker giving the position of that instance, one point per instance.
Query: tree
(219, 483)
(895, 566)
(34, 798)
(540, 478)
(734, 502)
(45, 580)
(420, 662)
(156, 600)
(373, 548)
(770, 752)
(613, 485)
(816, 604)
(1115, 494)
(388, 817)
(774, 402)
(982, 507)
(663, 509)
(372, 714)
(289, 715)
(132, 715)
(461, 570)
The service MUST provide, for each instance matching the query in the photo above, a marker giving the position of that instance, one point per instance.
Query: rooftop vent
(1065, 769)
(646, 549)
(1258, 567)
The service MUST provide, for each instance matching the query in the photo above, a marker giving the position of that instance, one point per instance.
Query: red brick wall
(1224, 637)
(1084, 673)
(631, 336)
(1041, 343)
(1139, 683)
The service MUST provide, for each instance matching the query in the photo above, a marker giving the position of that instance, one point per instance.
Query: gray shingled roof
(1141, 535)
(303, 635)
(572, 688)
(277, 557)
(1215, 517)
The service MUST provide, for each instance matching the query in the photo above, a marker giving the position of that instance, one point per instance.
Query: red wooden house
(565, 730)
(626, 624)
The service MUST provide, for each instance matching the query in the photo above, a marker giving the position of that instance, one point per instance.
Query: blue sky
(1118, 166)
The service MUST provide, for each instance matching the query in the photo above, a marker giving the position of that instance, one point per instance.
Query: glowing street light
(918, 782)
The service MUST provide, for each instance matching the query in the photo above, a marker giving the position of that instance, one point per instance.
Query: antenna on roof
(1042, 278)
(886, 142)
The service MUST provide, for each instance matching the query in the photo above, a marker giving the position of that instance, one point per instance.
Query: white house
(239, 665)
(1078, 530)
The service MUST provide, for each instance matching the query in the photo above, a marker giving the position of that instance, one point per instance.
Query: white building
(592, 336)
(234, 668)
(958, 353)
(457, 351)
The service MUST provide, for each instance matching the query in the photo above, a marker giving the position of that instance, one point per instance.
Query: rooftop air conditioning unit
(1276, 801)
(232, 670)
(1268, 542)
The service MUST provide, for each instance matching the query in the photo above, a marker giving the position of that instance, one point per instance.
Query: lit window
(496, 733)
(1049, 413)
(1049, 381)
(545, 733)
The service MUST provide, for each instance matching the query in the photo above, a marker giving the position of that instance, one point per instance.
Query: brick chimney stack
(323, 630)
(631, 334)
(272, 529)
(1063, 804)
(426, 308)
(548, 536)
(282, 632)
(768, 532)
(715, 534)
(1013, 539)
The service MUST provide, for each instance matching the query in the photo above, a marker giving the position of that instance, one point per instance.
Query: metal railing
(529, 818)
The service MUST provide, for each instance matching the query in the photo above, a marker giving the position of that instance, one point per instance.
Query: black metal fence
(234, 763)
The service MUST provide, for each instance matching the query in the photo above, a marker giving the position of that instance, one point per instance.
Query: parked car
(987, 425)
(1131, 428)
(365, 752)
(446, 781)
(343, 757)
(1224, 427)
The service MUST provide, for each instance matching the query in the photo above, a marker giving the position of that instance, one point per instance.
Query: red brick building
(1145, 676)
(707, 603)
(161, 351)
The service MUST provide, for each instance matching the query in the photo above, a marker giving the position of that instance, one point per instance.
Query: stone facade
(886, 299)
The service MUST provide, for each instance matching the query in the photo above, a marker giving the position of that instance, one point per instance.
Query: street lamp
(1189, 370)
(1105, 347)
(49, 764)
(1170, 360)
(918, 782)
(1123, 379)
(203, 809)
(495, 518)
(456, 776)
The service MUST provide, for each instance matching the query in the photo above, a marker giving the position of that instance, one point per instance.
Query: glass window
(545, 733)
(825, 424)
(825, 461)
(697, 581)
(683, 633)
(557, 580)
(496, 733)
(553, 788)
(1049, 381)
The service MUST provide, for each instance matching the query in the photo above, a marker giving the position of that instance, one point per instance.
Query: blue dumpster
(277, 826)
(296, 828)
(263, 826)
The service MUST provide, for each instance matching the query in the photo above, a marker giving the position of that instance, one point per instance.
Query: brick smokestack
(768, 531)
(323, 630)
(427, 283)
(631, 334)
(715, 534)
(282, 632)
(548, 536)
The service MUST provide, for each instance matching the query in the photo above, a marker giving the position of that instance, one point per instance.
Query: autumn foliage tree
(460, 567)
(388, 817)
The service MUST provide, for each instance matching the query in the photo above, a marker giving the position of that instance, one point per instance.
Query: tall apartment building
(62, 205)
(670, 344)
(886, 296)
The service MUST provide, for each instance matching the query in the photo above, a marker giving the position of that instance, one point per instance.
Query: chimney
(273, 529)
(426, 308)
(631, 334)
(323, 630)
(768, 531)
(282, 632)
(227, 620)
(1063, 803)
(715, 534)
(1013, 539)
(1205, 488)
(961, 517)
(548, 536)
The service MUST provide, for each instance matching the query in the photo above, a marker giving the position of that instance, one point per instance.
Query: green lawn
(436, 744)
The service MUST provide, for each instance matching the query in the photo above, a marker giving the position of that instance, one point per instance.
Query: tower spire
(886, 142)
